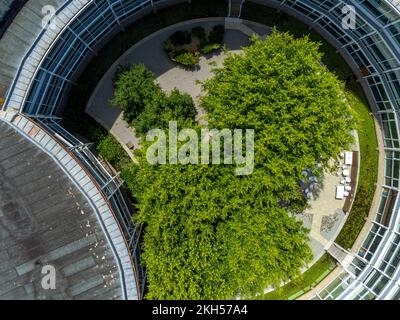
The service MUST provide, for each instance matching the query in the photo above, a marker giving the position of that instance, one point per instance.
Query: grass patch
(305, 283)
(368, 174)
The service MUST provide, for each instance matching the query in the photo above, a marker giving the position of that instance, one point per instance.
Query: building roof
(45, 220)
(21, 33)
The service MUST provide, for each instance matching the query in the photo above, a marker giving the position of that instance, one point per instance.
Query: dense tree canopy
(297, 107)
(144, 104)
(134, 89)
(210, 234)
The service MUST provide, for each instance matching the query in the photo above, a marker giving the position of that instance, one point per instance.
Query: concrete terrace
(44, 219)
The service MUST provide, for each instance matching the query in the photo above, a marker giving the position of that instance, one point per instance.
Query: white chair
(346, 194)
(348, 180)
(347, 188)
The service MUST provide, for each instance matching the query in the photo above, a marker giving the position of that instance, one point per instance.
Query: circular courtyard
(325, 213)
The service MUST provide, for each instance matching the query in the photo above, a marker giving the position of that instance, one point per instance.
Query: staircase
(235, 8)
(341, 255)
(237, 24)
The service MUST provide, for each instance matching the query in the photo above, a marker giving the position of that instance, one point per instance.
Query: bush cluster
(145, 106)
(184, 47)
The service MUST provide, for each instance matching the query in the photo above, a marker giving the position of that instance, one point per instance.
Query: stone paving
(324, 215)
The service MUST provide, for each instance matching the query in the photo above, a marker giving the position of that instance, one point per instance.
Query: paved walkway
(235, 6)
(324, 215)
(364, 232)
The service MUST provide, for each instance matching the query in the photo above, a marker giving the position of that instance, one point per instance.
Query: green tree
(135, 87)
(145, 106)
(110, 149)
(297, 107)
(157, 114)
(181, 104)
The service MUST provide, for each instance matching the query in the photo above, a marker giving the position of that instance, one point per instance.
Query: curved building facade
(38, 70)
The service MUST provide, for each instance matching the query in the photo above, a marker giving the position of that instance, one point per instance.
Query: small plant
(169, 48)
(180, 45)
(210, 48)
(188, 58)
(110, 149)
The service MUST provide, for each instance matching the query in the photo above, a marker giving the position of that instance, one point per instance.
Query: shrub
(134, 88)
(110, 149)
(217, 34)
(169, 48)
(146, 105)
(177, 53)
(199, 32)
(181, 104)
(208, 44)
(204, 42)
(210, 48)
(179, 38)
(188, 58)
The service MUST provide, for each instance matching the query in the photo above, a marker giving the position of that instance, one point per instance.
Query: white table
(346, 172)
(348, 158)
(339, 192)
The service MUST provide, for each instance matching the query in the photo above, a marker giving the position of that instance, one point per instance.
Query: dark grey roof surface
(45, 220)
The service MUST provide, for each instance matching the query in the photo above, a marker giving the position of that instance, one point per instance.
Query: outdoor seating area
(345, 169)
